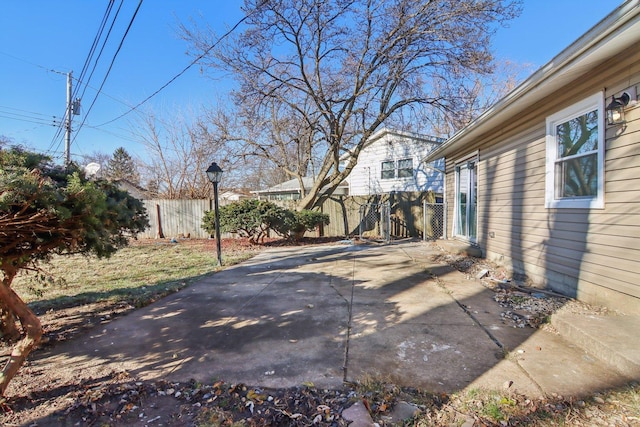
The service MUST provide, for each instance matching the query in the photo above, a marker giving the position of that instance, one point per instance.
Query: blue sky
(41, 40)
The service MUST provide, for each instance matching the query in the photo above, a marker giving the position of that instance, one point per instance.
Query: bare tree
(473, 97)
(178, 154)
(340, 69)
(5, 141)
(269, 147)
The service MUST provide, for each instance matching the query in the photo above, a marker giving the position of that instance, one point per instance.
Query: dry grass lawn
(138, 274)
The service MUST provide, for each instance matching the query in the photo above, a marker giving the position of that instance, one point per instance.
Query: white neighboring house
(133, 189)
(392, 161)
(233, 196)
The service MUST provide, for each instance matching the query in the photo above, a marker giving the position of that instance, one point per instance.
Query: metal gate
(375, 221)
(435, 221)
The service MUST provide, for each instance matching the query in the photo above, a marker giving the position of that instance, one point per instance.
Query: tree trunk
(8, 323)
(8, 329)
(30, 324)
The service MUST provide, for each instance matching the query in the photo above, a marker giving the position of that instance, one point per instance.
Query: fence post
(424, 220)
(160, 234)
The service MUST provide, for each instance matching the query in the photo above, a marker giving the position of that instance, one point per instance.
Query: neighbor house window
(388, 170)
(405, 168)
(575, 156)
(401, 169)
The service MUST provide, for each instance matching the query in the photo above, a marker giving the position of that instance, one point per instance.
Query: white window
(388, 170)
(405, 168)
(401, 169)
(575, 156)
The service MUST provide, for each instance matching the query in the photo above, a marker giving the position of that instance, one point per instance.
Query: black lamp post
(214, 173)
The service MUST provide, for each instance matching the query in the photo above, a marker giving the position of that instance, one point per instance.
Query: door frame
(468, 164)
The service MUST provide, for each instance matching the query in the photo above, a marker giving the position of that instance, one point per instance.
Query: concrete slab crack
(492, 337)
(349, 302)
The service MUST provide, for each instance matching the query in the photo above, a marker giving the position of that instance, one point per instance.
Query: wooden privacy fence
(176, 218)
(183, 218)
(406, 214)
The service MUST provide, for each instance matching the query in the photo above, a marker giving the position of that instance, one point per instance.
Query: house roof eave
(379, 134)
(292, 186)
(616, 32)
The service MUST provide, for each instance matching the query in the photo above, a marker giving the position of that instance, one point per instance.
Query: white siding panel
(365, 178)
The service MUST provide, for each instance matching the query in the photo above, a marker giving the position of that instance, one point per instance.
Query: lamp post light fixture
(214, 173)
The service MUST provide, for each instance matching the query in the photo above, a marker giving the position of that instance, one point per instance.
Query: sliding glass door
(466, 201)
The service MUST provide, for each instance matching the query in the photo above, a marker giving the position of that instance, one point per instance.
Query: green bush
(249, 218)
(255, 218)
(307, 220)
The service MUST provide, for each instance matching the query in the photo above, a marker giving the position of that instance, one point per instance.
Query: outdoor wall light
(615, 109)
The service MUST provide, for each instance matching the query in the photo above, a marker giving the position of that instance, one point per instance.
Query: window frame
(466, 227)
(404, 170)
(587, 105)
(392, 170)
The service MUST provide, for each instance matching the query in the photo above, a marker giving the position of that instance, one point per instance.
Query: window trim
(383, 170)
(411, 169)
(396, 169)
(593, 102)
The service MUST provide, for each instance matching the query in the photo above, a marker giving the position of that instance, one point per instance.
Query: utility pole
(67, 136)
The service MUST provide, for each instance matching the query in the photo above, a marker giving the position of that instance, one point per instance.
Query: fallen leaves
(120, 399)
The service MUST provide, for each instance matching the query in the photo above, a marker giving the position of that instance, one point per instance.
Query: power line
(26, 119)
(58, 133)
(87, 62)
(58, 122)
(66, 117)
(85, 67)
(59, 125)
(26, 61)
(104, 43)
(104, 80)
(194, 62)
(126, 138)
(94, 45)
(24, 111)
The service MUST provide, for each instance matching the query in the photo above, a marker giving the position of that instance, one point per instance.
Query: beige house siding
(590, 254)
